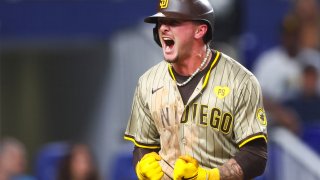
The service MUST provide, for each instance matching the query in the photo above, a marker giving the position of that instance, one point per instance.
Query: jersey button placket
(184, 141)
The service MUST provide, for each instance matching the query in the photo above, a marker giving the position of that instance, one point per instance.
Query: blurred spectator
(78, 164)
(278, 71)
(308, 13)
(12, 160)
(311, 57)
(306, 102)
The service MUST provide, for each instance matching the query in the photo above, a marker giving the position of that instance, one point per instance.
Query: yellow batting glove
(148, 168)
(187, 167)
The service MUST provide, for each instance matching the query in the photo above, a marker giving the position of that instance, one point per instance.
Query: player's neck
(187, 66)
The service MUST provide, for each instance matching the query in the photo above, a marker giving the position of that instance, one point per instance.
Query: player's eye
(169, 22)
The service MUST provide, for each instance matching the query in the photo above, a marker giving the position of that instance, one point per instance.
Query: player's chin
(170, 58)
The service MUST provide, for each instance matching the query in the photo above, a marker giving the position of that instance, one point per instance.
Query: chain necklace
(203, 63)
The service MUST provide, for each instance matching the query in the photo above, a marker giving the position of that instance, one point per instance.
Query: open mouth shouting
(167, 45)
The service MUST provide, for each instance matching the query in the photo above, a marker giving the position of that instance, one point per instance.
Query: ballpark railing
(290, 158)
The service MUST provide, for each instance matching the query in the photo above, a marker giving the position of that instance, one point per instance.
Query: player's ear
(200, 31)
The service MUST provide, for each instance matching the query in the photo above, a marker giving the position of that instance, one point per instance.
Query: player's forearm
(248, 163)
(252, 158)
(231, 170)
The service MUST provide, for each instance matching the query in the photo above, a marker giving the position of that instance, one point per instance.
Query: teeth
(168, 41)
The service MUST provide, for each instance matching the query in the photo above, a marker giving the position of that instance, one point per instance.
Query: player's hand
(187, 167)
(149, 168)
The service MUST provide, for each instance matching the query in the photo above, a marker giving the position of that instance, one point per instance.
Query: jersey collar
(206, 77)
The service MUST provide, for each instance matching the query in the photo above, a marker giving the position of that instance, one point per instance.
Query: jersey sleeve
(141, 129)
(250, 117)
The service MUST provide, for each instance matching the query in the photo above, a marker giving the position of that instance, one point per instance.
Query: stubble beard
(172, 61)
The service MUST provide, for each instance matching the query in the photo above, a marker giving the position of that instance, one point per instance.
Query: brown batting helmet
(195, 10)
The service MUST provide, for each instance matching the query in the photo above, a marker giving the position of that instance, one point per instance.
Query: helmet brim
(168, 15)
(154, 18)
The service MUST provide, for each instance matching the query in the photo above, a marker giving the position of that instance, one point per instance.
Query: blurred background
(68, 70)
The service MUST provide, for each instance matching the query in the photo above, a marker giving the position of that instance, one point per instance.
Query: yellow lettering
(186, 115)
(164, 4)
(221, 92)
(203, 115)
(215, 118)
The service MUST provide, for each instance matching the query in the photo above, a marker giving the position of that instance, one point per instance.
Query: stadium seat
(311, 136)
(122, 167)
(48, 158)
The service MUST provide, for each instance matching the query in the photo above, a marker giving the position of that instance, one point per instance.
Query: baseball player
(198, 114)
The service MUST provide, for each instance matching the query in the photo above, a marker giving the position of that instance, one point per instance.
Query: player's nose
(163, 27)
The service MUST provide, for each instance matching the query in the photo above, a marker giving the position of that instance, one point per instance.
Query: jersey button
(184, 141)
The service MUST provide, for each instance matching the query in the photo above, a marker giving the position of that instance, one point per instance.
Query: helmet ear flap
(156, 35)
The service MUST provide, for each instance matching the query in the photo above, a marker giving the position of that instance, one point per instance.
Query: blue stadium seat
(122, 168)
(48, 159)
(311, 135)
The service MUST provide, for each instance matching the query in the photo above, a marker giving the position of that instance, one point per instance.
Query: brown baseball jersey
(224, 112)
